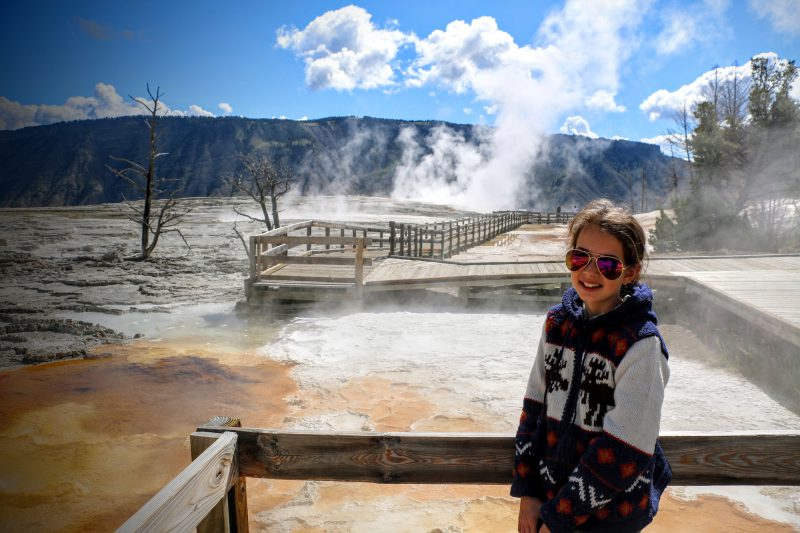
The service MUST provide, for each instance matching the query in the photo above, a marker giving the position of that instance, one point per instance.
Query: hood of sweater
(637, 302)
(636, 308)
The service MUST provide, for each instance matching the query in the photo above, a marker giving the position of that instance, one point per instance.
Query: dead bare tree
(157, 213)
(265, 180)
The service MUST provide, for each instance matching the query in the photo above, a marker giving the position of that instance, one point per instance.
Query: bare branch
(241, 238)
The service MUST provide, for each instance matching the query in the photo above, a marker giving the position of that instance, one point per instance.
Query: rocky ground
(59, 260)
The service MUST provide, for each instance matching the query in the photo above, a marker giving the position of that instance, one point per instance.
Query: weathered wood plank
(275, 250)
(283, 230)
(313, 260)
(746, 458)
(231, 511)
(185, 501)
(299, 240)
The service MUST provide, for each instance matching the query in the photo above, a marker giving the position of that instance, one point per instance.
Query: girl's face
(598, 293)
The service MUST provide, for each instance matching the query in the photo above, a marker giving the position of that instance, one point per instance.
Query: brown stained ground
(84, 444)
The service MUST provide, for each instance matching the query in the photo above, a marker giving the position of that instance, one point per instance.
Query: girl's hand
(529, 508)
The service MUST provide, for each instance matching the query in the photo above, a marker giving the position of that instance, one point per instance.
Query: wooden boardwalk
(770, 284)
(764, 288)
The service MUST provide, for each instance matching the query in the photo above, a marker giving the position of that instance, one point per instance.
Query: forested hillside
(65, 163)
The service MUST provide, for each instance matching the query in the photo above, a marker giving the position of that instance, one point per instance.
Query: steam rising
(580, 52)
(529, 89)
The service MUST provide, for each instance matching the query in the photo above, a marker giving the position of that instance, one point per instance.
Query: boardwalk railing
(445, 239)
(697, 458)
(314, 242)
(320, 243)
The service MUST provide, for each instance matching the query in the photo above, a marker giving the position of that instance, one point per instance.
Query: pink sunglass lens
(611, 268)
(577, 260)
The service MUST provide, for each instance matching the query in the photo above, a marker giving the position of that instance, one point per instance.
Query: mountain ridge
(63, 164)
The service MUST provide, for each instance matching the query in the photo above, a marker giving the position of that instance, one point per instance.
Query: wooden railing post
(401, 249)
(308, 234)
(359, 285)
(233, 508)
(254, 252)
(474, 228)
(450, 241)
(392, 229)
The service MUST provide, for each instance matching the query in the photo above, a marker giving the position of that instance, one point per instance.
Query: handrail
(448, 238)
(183, 503)
(697, 458)
(270, 251)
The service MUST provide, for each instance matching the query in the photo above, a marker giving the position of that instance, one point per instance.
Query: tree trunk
(275, 209)
(148, 196)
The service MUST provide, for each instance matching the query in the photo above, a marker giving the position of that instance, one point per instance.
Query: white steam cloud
(105, 103)
(529, 88)
(225, 107)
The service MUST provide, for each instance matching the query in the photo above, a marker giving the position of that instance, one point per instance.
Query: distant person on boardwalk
(587, 458)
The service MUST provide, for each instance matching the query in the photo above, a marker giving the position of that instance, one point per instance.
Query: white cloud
(105, 103)
(577, 125)
(303, 118)
(662, 141)
(604, 101)
(344, 50)
(225, 107)
(197, 111)
(782, 14)
(682, 28)
(664, 103)
(451, 58)
(467, 111)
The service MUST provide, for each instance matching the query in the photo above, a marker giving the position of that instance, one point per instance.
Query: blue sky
(611, 68)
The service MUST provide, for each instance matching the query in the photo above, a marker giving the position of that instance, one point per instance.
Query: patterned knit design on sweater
(594, 459)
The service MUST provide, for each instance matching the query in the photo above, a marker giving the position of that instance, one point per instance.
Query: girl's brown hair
(614, 220)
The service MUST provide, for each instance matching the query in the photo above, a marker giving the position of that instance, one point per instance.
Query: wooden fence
(697, 458)
(445, 239)
(314, 242)
(320, 243)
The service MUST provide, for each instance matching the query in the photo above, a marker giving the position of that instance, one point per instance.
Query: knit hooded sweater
(586, 444)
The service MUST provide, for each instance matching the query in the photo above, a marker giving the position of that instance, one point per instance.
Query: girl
(587, 457)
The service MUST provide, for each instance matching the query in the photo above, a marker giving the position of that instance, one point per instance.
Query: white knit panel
(640, 381)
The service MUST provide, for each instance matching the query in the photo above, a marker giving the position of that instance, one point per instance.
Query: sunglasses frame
(594, 257)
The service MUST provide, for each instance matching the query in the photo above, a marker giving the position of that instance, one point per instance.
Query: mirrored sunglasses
(610, 267)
